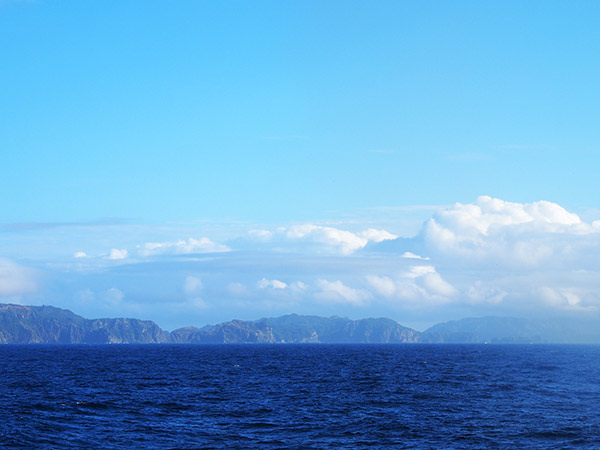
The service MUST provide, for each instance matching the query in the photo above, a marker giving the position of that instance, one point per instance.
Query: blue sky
(193, 154)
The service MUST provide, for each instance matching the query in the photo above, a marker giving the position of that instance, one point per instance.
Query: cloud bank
(511, 234)
(487, 257)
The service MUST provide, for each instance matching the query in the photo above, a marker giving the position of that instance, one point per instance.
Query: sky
(195, 162)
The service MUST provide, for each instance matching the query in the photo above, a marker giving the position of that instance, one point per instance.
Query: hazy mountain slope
(299, 329)
(49, 325)
(234, 332)
(295, 328)
(480, 330)
(513, 330)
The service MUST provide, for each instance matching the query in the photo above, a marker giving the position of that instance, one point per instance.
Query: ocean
(299, 396)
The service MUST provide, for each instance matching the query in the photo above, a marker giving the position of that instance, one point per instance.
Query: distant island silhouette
(50, 325)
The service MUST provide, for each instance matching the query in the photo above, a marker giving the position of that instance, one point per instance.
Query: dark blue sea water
(299, 396)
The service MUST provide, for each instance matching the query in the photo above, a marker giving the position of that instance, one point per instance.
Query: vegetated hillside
(300, 329)
(233, 332)
(49, 325)
(295, 328)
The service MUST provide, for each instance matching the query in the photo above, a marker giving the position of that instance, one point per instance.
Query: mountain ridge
(50, 325)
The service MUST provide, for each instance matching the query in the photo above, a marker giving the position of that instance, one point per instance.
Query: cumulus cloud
(298, 286)
(437, 287)
(486, 256)
(196, 303)
(293, 291)
(418, 271)
(487, 215)
(192, 285)
(569, 298)
(15, 280)
(115, 253)
(274, 284)
(191, 288)
(202, 245)
(481, 292)
(338, 292)
(373, 235)
(85, 296)
(515, 234)
(113, 296)
(418, 283)
(260, 235)
(383, 285)
(345, 241)
(520, 255)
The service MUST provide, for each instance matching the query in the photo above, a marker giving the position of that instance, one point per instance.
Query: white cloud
(520, 255)
(298, 286)
(338, 292)
(113, 296)
(373, 235)
(15, 280)
(191, 288)
(197, 303)
(115, 253)
(487, 215)
(192, 285)
(345, 241)
(85, 296)
(486, 256)
(481, 292)
(260, 235)
(510, 234)
(202, 245)
(410, 255)
(436, 286)
(418, 283)
(384, 286)
(568, 298)
(295, 289)
(274, 284)
(419, 271)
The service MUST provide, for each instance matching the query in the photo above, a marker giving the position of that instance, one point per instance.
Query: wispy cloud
(182, 247)
(17, 227)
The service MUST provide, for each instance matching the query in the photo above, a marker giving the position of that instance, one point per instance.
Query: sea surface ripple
(299, 396)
